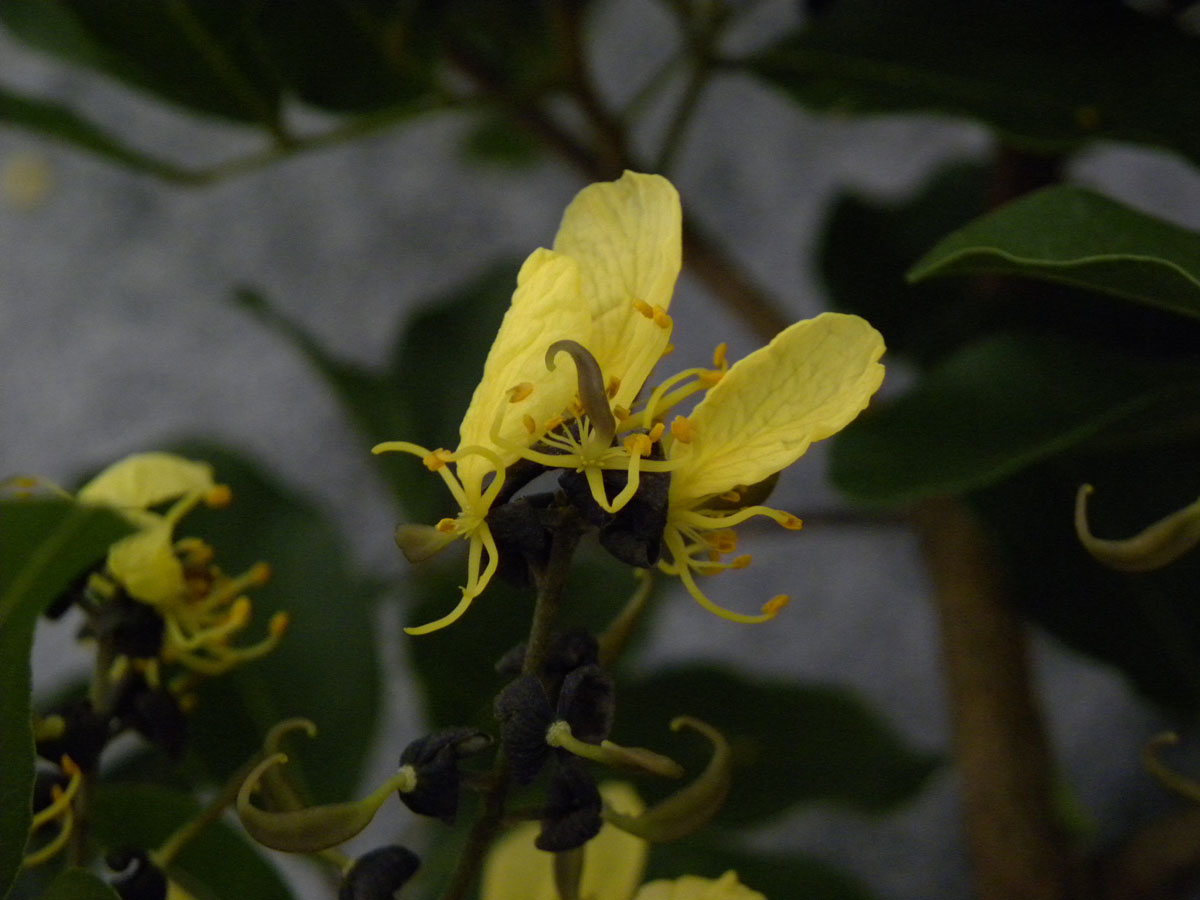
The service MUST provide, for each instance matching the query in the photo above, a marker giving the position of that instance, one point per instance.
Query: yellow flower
(808, 383)
(202, 608)
(604, 289)
(614, 863)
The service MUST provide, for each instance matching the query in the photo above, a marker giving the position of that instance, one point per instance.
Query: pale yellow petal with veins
(147, 479)
(544, 309)
(807, 384)
(613, 863)
(625, 235)
(146, 565)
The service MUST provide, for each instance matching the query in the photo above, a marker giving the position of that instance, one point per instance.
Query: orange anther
(519, 392)
(657, 431)
(668, 350)
(218, 495)
(260, 573)
(775, 604)
(445, 526)
(791, 523)
(638, 444)
(644, 308)
(614, 385)
(731, 497)
(719, 356)
(681, 430)
(740, 562)
(620, 413)
(437, 459)
(279, 624)
(529, 423)
(661, 319)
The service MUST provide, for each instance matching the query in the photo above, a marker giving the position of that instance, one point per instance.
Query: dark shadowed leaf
(325, 668)
(221, 862)
(1043, 75)
(793, 744)
(78, 884)
(1075, 236)
(993, 408)
(44, 546)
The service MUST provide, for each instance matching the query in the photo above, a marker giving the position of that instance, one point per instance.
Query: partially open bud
(1158, 545)
(379, 874)
(312, 828)
(692, 807)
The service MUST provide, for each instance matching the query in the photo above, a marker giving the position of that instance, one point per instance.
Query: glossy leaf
(220, 862)
(44, 546)
(1078, 237)
(325, 667)
(200, 55)
(1042, 75)
(78, 884)
(993, 408)
(793, 744)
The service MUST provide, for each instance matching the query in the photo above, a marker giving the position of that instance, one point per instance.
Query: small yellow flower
(808, 383)
(614, 863)
(202, 608)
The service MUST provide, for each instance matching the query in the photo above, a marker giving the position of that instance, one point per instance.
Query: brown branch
(1017, 846)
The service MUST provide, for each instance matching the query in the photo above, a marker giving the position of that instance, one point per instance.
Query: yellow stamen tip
(638, 444)
(279, 624)
(775, 604)
(621, 412)
(668, 350)
(740, 562)
(719, 356)
(529, 423)
(445, 526)
(661, 319)
(644, 308)
(519, 392)
(614, 385)
(709, 377)
(657, 431)
(69, 766)
(681, 430)
(791, 523)
(218, 496)
(240, 612)
(259, 574)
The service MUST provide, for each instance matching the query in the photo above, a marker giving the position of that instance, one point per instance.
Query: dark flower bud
(521, 537)
(155, 714)
(139, 878)
(82, 736)
(586, 701)
(132, 628)
(379, 874)
(568, 650)
(571, 817)
(524, 714)
(76, 592)
(434, 760)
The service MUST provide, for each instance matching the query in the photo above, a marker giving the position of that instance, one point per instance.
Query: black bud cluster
(379, 874)
(435, 759)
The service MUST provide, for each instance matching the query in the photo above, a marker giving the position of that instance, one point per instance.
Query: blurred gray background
(116, 335)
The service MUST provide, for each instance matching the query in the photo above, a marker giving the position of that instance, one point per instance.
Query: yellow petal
(146, 565)
(545, 308)
(689, 887)
(147, 479)
(625, 235)
(808, 383)
(613, 860)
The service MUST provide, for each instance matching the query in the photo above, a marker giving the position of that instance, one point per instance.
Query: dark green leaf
(201, 55)
(498, 140)
(993, 408)
(44, 546)
(1044, 75)
(349, 56)
(922, 322)
(1072, 235)
(221, 862)
(326, 666)
(794, 875)
(792, 743)
(78, 884)
(1147, 624)
(61, 123)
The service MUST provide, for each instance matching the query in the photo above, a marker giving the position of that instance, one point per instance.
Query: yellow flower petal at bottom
(614, 860)
(689, 887)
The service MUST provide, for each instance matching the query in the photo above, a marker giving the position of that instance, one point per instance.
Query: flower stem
(551, 582)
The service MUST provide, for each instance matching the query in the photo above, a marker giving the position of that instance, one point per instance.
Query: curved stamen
(593, 391)
(683, 563)
(706, 521)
